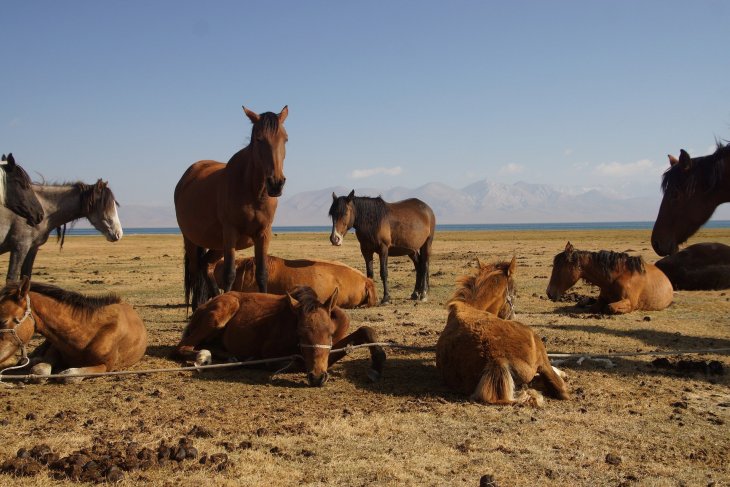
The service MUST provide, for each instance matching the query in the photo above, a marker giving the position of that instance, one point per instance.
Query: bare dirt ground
(634, 424)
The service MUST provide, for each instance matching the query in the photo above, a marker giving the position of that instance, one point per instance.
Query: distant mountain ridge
(480, 202)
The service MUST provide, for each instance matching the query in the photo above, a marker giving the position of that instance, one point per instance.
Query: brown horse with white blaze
(322, 276)
(627, 283)
(693, 188)
(261, 326)
(221, 208)
(388, 229)
(483, 352)
(83, 334)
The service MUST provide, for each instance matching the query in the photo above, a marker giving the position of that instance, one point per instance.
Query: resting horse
(260, 326)
(693, 188)
(16, 192)
(482, 352)
(221, 208)
(322, 276)
(62, 203)
(387, 229)
(702, 266)
(83, 334)
(627, 283)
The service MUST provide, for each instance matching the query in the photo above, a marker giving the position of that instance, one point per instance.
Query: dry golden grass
(408, 429)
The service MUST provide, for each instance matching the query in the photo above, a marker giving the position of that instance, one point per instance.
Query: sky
(380, 93)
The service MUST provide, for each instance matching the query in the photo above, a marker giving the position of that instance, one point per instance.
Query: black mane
(369, 213)
(607, 261)
(700, 174)
(87, 305)
(307, 298)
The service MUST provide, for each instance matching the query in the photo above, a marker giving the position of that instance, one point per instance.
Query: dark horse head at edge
(16, 193)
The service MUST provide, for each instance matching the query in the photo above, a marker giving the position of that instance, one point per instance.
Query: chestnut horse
(322, 276)
(483, 352)
(387, 229)
(259, 326)
(627, 283)
(83, 334)
(693, 188)
(16, 194)
(702, 266)
(221, 208)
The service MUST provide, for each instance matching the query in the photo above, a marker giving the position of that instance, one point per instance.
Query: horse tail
(554, 384)
(196, 282)
(496, 386)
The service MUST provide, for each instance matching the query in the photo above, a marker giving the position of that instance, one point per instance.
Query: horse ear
(569, 247)
(293, 303)
(684, 158)
(672, 160)
(334, 196)
(24, 287)
(351, 196)
(253, 116)
(284, 113)
(3, 159)
(332, 300)
(512, 265)
(10, 159)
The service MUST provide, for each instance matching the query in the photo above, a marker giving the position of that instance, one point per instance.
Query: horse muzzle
(554, 296)
(317, 380)
(274, 187)
(663, 248)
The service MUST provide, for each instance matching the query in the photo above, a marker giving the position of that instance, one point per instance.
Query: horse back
(411, 223)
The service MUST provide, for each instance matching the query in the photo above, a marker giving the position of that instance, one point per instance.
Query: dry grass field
(633, 424)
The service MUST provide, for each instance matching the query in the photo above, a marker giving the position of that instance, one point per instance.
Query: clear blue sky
(575, 93)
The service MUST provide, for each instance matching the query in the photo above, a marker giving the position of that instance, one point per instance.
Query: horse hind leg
(417, 265)
(424, 269)
(362, 335)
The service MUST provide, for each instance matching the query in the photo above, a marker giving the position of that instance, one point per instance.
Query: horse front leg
(229, 268)
(425, 259)
(17, 257)
(368, 256)
(362, 335)
(204, 324)
(384, 274)
(27, 268)
(620, 307)
(261, 250)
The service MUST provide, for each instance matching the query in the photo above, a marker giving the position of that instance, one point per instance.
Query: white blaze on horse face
(108, 223)
(336, 238)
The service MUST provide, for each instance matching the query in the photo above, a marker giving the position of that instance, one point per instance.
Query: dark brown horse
(700, 266)
(322, 276)
(224, 207)
(483, 352)
(627, 283)
(387, 229)
(16, 192)
(693, 188)
(260, 326)
(83, 334)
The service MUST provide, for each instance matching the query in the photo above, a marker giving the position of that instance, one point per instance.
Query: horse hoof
(385, 300)
(70, 379)
(424, 299)
(40, 369)
(204, 357)
(374, 375)
(414, 296)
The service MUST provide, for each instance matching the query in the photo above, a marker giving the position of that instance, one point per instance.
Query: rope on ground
(346, 350)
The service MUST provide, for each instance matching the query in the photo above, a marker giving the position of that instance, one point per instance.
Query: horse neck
(61, 204)
(244, 166)
(56, 320)
(592, 272)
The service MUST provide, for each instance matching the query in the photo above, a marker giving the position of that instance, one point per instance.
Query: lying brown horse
(260, 326)
(627, 283)
(387, 229)
(224, 207)
(83, 334)
(693, 188)
(16, 192)
(322, 276)
(702, 266)
(482, 352)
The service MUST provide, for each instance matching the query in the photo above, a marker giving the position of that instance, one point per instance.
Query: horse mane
(307, 298)
(369, 213)
(87, 305)
(607, 261)
(267, 124)
(700, 174)
(470, 285)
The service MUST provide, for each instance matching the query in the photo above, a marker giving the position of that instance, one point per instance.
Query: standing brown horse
(482, 352)
(221, 208)
(83, 334)
(259, 326)
(693, 188)
(322, 276)
(627, 283)
(401, 228)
